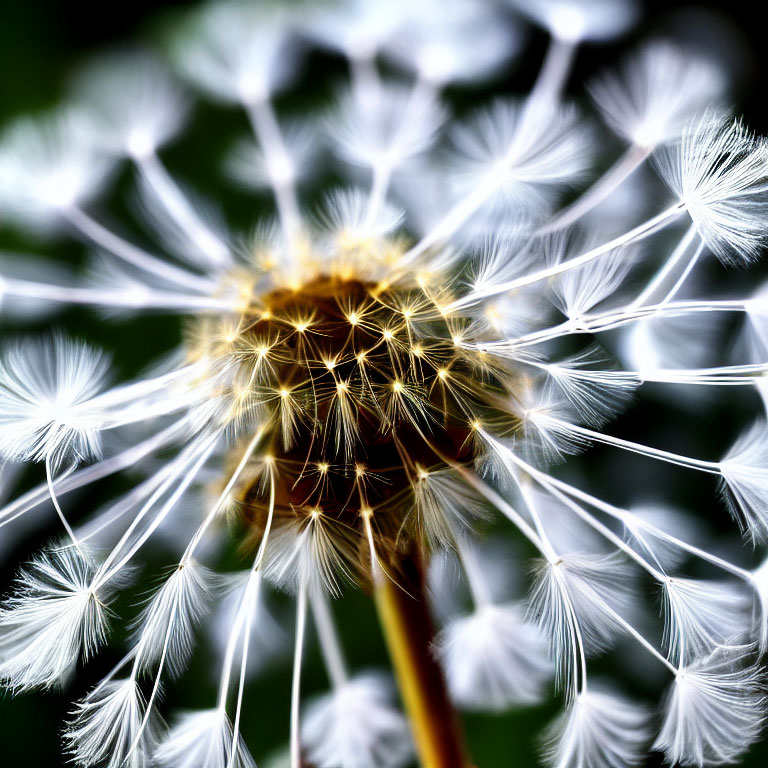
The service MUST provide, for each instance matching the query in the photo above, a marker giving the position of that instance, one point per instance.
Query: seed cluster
(369, 399)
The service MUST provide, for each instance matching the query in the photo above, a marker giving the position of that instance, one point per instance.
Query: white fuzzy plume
(493, 659)
(356, 726)
(46, 166)
(575, 600)
(168, 624)
(385, 128)
(267, 637)
(52, 618)
(565, 530)
(445, 506)
(438, 42)
(576, 20)
(760, 584)
(719, 172)
(347, 221)
(251, 165)
(745, 477)
(657, 93)
(108, 728)
(203, 738)
(307, 552)
(545, 419)
(671, 341)
(355, 28)
(701, 615)
(43, 387)
(134, 105)
(520, 160)
(715, 710)
(235, 52)
(599, 730)
(646, 528)
(592, 384)
(577, 291)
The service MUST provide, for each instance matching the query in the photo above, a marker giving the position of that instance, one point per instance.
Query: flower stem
(408, 630)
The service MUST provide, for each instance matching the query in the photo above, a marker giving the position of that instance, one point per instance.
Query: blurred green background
(41, 42)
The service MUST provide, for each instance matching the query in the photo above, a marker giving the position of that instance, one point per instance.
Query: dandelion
(382, 374)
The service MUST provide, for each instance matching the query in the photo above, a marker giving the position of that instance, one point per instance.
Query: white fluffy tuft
(599, 730)
(657, 93)
(576, 20)
(268, 640)
(356, 726)
(385, 128)
(308, 552)
(235, 52)
(493, 659)
(701, 615)
(133, 103)
(519, 160)
(52, 618)
(43, 388)
(565, 530)
(108, 728)
(355, 28)
(346, 219)
(170, 620)
(48, 165)
(577, 291)
(545, 433)
(444, 506)
(646, 527)
(574, 601)
(203, 738)
(720, 172)
(460, 41)
(663, 342)
(250, 165)
(745, 479)
(593, 384)
(715, 710)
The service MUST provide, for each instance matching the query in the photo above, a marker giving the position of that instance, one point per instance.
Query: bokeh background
(41, 43)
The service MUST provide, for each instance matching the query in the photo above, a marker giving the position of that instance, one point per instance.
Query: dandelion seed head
(420, 324)
(343, 381)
